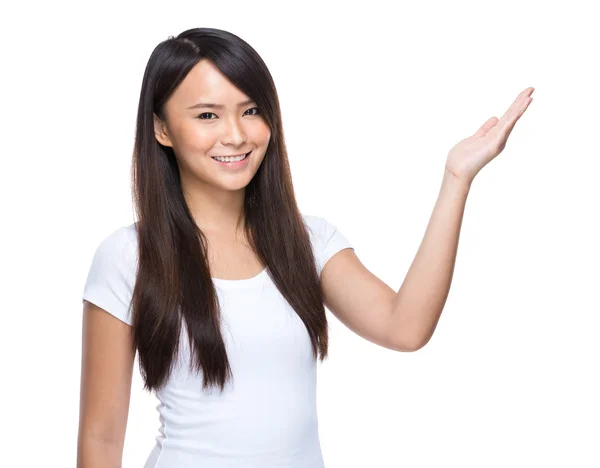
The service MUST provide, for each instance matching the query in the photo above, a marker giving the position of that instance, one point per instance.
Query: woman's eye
(205, 115)
(256, 109)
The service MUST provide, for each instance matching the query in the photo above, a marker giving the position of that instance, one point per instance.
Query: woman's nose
(233, 134)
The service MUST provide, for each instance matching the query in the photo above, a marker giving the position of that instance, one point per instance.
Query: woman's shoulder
(112, 272)
(120, 239)
(319, 227)
(314, 223)
(119, 247)
(325, 238)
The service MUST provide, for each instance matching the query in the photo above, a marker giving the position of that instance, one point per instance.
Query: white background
(373, 97)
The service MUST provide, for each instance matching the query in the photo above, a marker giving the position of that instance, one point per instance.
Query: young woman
(220, 285)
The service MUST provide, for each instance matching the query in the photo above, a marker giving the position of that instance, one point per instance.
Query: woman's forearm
(422, 296)
(95, 452)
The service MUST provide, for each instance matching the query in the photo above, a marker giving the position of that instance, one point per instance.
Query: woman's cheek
(201, 141)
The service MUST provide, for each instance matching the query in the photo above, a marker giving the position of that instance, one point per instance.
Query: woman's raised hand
(470, 155)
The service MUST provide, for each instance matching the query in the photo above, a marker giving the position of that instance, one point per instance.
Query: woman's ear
(160, 131)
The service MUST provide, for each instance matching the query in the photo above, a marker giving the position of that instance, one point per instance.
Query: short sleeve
(326, 238)
(111, 276)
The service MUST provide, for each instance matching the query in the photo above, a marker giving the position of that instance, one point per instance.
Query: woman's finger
(486, 127)
(516, 116)
(510, 117)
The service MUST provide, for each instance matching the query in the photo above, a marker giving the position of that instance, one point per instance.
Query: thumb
(489, 124)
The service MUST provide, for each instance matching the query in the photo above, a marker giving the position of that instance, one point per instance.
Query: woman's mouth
(232, 162)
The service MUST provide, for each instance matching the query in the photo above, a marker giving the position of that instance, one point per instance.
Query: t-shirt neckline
(227, 283)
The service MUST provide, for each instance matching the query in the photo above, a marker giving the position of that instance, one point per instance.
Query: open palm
(470, 155)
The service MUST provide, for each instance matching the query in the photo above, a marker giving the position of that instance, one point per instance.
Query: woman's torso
(265, 417)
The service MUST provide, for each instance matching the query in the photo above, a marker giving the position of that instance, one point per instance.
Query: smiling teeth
(230, 159)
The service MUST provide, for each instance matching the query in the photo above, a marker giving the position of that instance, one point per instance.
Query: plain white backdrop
(373, 95)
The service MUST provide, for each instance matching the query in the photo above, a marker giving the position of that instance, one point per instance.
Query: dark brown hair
(173, 283)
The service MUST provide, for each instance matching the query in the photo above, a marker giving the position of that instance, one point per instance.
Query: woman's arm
(106, 371)
(406, 320)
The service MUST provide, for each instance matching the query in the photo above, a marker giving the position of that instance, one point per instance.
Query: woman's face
(208, 117)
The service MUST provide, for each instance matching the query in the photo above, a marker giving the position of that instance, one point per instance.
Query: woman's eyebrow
(218, 106)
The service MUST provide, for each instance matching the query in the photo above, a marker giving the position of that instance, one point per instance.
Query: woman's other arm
(106, 371)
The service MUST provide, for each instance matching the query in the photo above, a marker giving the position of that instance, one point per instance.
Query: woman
(220, 285)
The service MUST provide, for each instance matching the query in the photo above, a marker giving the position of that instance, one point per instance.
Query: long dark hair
(173, 282)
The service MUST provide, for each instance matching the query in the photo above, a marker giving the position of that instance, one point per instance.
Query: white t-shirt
(267, 416)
